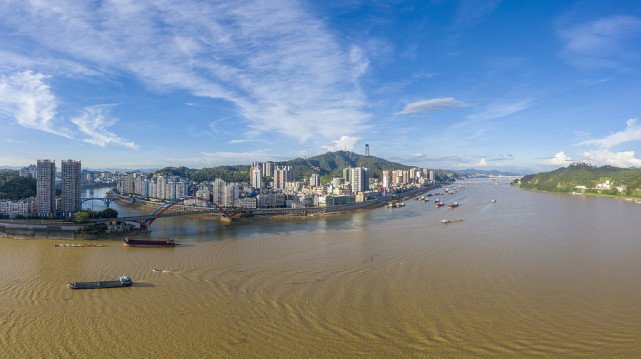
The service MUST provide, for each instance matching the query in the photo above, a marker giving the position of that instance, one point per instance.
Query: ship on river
(123, 281)
(145, 243)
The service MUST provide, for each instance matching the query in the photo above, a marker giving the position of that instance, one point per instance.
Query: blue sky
(508, 85)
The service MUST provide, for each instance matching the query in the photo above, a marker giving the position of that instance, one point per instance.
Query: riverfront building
(71, 191)
(45, 187)
(256, 177)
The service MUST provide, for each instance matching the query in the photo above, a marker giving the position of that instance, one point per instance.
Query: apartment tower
(71, 191)
(45, 187)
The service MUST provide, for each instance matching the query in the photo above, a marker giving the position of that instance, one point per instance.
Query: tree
(81, 217)
(108, 213)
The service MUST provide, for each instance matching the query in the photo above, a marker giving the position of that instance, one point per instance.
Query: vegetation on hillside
(328, 165)
(582, 174)
(15, 187)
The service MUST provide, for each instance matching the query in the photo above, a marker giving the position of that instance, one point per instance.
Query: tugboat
(144, 243)
(124, 281)
(453, 205)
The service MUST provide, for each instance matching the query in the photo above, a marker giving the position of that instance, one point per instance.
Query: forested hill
(330, 164)
(15, 187)
(581, 174)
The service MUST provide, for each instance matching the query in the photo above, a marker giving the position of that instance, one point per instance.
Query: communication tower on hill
(366, 149)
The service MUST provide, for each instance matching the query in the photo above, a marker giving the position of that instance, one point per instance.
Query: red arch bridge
(166, 210)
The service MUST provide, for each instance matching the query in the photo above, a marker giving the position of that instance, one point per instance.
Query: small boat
(453, 205)
(438, 205)
(123, 281)
(145, 243)
(77, 245)
(446, 221)
(493, 201)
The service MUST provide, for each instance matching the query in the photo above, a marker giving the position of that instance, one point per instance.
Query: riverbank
(272, 213)
(629, 199)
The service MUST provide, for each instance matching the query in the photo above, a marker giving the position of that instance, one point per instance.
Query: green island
(583, 178)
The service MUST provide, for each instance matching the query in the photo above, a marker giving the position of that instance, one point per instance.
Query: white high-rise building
(45, 187)
(71, 191)
(232, 194)
(256, 177)
(218, 191)
(314, 180)
(360, 179)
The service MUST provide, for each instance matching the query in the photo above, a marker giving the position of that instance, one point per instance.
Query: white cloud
(426, 106)
(632, 132)
(601, 43)
(618, 159)
(281, 68)
(94, 121)
(26, 98)
(346, 143)
(482, 162)
(498, 110)
(560, 159)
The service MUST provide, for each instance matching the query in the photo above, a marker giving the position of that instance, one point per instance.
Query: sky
(446, 84)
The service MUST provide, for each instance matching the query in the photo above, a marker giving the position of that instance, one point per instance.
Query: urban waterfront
(532, 275)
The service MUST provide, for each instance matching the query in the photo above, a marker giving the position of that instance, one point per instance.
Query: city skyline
(451, 85)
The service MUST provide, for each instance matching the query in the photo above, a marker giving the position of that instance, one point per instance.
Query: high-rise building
(218, 191)
(268, 169)
(71, 190)
(360, 179)
(347, 175)
(256, 177)
(314, 180)
(129, 187)
(282, 175)
(432, 175)
(45, 187)
(387, 179)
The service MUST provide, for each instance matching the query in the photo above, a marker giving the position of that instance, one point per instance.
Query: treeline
(15, 187)
(226, 173)
(328, 165)
(582, 174)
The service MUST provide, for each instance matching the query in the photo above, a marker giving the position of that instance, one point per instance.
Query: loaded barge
(144, 243)
(123, 282)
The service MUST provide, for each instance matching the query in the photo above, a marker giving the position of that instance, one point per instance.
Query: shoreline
(316, 211)
(627, 199)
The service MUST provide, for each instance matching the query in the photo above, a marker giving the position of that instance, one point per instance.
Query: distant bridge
(108, 200)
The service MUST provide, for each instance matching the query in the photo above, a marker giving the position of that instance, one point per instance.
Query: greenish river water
(532, 275)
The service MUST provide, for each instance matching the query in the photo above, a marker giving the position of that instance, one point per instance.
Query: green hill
(582, 174)
(332, 164)
(15, 187)
(328, 165)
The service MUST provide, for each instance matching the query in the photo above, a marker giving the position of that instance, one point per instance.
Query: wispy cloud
(280, 67)
(559, 159)
(94, 121)
(623, 159)
(498, 110)
(426, 106)
(472, 11)
(26, 98)
(632, 132)
(603, 42)
(347, 143)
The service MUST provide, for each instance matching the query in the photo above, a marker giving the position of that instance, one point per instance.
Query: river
(532, 275)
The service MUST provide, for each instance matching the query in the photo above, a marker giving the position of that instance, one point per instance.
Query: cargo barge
(124, 281)
(145, 243)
